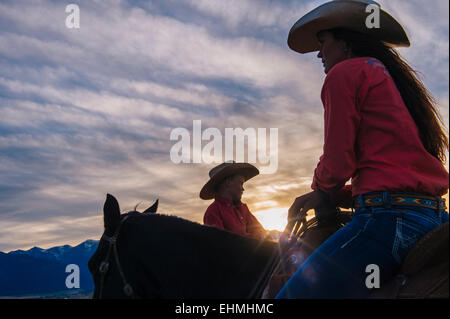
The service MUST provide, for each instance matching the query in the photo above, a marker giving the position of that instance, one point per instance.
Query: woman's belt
(400, 200)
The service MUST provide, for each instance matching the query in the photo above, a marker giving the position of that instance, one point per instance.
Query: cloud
(254, 13)
(429, 41)
(89, 111)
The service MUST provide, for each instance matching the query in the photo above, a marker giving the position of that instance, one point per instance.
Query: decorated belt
(402, 200)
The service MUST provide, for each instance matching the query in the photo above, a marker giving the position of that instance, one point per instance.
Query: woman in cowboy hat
(227, 212)
(382, 131)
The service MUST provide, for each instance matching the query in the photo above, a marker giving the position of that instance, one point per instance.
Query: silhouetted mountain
(42, 271)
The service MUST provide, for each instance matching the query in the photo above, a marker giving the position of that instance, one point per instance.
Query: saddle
(424, 272)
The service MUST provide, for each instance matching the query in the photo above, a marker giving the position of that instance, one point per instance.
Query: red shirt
(370, 136)
(222, 214)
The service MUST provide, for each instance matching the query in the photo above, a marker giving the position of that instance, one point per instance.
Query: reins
(273, 266)
(104, 265)
(264, 276)
(295, 235)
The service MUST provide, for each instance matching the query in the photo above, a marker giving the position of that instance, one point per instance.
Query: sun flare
(273, 218)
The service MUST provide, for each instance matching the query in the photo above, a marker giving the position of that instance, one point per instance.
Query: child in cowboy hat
(383, 132)
(227, 212)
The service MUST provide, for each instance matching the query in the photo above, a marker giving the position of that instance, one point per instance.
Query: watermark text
(189, 149)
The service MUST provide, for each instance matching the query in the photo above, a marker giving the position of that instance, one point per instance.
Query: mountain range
(38, 271)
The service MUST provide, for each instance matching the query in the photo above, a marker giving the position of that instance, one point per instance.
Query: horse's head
(108, 265)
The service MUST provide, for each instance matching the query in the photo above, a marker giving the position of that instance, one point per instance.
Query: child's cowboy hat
(346, 14)
(224, 170)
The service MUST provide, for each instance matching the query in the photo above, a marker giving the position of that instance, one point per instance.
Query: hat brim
(245, 170)
(350, 15)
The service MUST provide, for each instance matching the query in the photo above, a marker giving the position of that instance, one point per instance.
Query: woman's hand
(313, 200)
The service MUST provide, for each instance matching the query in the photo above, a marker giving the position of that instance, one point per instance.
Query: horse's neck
(204, 259)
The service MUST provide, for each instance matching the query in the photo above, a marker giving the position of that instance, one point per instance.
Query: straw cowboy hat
(224, 170)
(346, 14)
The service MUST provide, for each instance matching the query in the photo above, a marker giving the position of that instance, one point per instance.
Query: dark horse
(147, 255)
(164, 256)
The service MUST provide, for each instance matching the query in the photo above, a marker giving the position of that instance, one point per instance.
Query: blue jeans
(376, 235)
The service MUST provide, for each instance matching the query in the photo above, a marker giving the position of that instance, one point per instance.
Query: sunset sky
(89, 111)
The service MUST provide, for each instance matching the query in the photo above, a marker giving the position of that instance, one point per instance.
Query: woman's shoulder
(353, 69)
(349, 65)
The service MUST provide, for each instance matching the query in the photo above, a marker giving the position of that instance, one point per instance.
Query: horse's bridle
(104, 265)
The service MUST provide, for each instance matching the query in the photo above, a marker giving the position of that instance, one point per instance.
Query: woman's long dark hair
(417, 98)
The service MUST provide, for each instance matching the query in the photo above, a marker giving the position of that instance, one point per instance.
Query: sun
(273, 218)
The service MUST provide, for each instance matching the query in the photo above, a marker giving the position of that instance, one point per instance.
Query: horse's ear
(152, 209)
(111, 213)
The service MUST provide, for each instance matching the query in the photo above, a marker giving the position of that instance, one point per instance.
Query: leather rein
(276, 260)
(104, 265)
